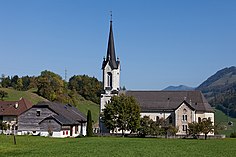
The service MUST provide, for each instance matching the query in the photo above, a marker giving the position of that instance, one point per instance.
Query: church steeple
(111, 56)
(110, 76)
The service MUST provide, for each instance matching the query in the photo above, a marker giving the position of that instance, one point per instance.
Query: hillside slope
(220, 90)
(223, 119)
(16, 95)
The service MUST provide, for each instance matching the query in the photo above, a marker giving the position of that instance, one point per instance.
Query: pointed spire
(111, 56)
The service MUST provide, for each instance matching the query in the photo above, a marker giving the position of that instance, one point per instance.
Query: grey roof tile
(169, 100)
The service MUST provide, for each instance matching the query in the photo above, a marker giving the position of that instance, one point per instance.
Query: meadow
(114, 146)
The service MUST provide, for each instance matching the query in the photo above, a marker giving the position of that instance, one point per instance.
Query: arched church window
(109, 79)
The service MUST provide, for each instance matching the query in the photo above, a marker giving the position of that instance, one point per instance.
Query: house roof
(111, 55)
(14, 108)
(60, 119)
(66, 113)
(169, 100)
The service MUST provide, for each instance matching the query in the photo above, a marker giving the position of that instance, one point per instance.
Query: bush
(233, 135)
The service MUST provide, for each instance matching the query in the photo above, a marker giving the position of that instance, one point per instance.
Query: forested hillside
(81, 91)
(220, 90)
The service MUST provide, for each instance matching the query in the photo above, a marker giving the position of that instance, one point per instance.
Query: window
(199, 119)
(184, 127)
(109, 79)
(184, 117)
(157, 118)
(76, 129)
(170, 119)
(38, 113)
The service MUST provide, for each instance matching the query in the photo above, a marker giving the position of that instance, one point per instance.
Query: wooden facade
(29, 120)
(52, 119)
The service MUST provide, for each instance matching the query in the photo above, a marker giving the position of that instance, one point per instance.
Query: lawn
(222, 119)
(114, 146)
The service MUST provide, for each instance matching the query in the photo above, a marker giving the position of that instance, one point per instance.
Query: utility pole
(65, 74)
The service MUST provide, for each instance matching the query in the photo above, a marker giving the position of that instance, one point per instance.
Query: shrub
(233, 135)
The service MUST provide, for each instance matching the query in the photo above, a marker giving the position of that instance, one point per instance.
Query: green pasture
(114, 147)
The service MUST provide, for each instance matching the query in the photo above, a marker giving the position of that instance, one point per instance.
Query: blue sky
(159, 42)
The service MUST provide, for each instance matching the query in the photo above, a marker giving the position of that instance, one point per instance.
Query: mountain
(178, 88)
(220, 90)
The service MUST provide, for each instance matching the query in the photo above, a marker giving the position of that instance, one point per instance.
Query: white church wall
(154, 116)
(104, 99)
(115, 77)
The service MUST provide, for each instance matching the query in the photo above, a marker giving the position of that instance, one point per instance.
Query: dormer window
(16, 105)
(38, 113)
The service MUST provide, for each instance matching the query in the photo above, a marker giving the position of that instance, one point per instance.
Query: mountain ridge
(220, 90)
(178, 88)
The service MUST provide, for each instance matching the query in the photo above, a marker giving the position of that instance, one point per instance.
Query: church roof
(151, 101)
(111, 56)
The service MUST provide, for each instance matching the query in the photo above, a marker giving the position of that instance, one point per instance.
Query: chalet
(177, 108)
(10, 111)
(52, 119)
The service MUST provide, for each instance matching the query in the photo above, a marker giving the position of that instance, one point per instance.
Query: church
(177, 108)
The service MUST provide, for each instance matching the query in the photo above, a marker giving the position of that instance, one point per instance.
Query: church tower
(111, 72)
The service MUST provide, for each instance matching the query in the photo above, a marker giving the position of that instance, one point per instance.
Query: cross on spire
(111, 16)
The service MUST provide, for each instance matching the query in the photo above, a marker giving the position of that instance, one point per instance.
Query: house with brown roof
(177, 108)
(52, 119)
(10, 111)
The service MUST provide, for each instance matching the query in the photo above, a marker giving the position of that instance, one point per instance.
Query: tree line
(52, 87)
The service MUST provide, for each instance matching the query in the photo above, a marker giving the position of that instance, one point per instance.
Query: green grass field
(221, 118)
(14, 95)
(114, 146)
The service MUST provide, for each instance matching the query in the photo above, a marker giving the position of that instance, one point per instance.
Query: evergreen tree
(89, 124)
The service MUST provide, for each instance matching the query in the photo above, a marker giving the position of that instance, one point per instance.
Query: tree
(172, 130)
(3, 94)
(14, 80)
(5, 81)
(50, 85)
(89, 87)
(89, 124)
(145, 127)
(206, 127)
(123, 113)
(19, 85)
(194, 129)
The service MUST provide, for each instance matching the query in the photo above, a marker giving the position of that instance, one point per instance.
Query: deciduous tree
(88, 87)
(50, 85)
(3, 94)
(123, 113)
